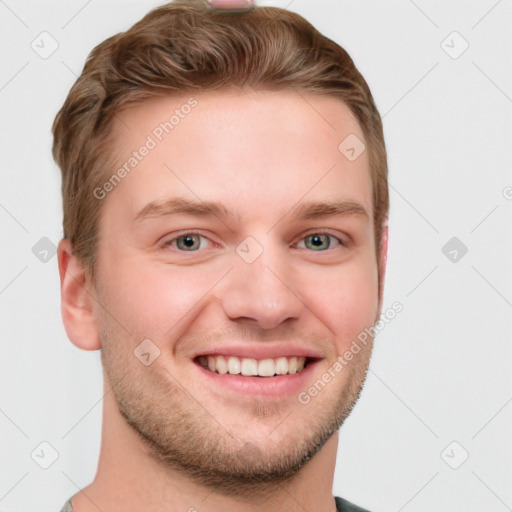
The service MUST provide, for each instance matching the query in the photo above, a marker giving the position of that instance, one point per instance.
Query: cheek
(151, 299)
(347, 300)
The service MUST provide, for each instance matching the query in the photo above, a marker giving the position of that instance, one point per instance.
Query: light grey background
(441, 369)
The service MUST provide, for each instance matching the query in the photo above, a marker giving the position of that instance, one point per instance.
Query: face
(241, 248)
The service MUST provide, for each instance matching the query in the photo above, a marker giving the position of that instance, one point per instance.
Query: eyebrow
(305, 211)
(178, 206)
(318, 210)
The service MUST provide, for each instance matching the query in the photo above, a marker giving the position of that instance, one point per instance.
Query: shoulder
(345, 506)
(67, 507)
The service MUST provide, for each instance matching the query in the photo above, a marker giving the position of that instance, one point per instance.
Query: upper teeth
(250, 367)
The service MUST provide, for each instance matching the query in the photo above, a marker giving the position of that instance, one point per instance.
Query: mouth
(249, 367)
(278, 377)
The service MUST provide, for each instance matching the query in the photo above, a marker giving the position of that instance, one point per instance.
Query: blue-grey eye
(188, 242)
(318, 242)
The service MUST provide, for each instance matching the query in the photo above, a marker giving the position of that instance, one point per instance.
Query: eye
(188, 242)
(319, 242)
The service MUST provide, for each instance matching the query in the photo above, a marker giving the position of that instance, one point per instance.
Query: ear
(383, 260)
(76, 299)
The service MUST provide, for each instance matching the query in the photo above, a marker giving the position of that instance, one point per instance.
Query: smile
(249, 367)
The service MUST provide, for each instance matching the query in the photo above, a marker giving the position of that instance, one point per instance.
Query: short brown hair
(185, 46)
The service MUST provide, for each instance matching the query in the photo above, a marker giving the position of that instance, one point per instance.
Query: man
(225, 238)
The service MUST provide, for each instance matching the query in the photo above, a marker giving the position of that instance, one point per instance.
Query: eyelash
(341, 242)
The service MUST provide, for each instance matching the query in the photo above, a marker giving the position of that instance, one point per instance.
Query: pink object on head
(231, 5)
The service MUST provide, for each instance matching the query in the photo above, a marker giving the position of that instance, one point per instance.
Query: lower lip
(281, 385)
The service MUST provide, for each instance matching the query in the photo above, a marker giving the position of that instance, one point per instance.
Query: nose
(261, 292)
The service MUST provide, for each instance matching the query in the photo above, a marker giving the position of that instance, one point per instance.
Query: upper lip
(261, 351)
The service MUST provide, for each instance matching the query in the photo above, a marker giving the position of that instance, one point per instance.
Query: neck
(128, 479)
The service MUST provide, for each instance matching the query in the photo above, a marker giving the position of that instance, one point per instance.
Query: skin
(260, 154)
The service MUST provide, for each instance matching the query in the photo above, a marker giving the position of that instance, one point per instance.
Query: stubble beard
(182, 434)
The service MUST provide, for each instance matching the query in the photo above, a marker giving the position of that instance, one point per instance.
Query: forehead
(256, 151)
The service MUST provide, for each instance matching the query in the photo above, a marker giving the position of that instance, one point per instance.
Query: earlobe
(76, 300)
